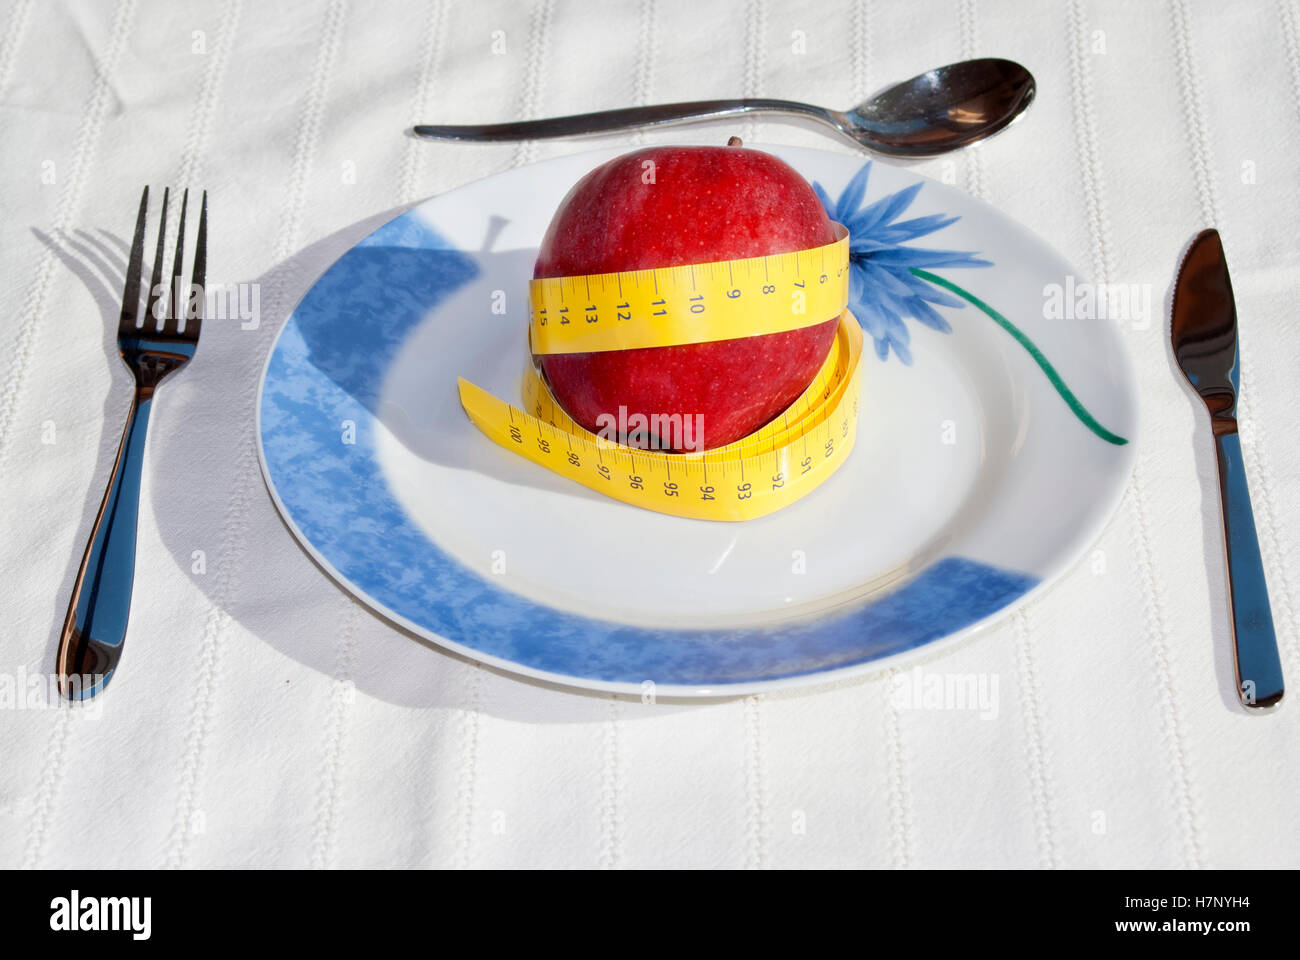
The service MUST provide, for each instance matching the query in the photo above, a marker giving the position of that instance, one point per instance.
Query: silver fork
(152, 346)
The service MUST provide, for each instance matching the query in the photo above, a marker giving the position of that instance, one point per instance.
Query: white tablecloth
(262, 717)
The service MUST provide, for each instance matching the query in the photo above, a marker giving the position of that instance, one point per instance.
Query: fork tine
(131, 294)
(156, 290)
(179, 298)
(200, 275)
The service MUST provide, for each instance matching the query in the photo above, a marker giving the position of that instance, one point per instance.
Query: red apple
(668, 206)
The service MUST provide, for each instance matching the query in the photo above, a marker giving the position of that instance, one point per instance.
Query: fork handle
(607, 121)
(1259, 668)
(95, 628)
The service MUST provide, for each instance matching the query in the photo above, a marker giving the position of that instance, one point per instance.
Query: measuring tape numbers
(761, 473)
(694, 303)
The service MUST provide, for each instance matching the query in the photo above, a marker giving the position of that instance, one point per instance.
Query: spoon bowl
(933, 113)
(942, 110)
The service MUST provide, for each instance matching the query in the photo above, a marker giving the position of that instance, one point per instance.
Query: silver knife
(1204, 333)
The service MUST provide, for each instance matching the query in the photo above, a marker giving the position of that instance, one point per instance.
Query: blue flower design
(883, 290)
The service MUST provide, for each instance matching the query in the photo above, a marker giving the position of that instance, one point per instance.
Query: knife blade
(1204, 334)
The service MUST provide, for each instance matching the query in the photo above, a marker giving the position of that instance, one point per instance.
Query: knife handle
(1259, 669)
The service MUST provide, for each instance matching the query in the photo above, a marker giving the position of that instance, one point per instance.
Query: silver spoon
(938, 111)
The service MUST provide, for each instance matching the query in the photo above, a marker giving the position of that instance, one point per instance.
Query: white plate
(982, 468)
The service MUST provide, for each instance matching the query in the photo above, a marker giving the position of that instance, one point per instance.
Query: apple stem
(735, 142)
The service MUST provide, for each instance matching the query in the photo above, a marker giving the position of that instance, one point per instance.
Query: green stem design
(1044, 364)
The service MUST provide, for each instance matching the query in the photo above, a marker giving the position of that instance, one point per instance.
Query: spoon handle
(1259, 669)
(606, 121)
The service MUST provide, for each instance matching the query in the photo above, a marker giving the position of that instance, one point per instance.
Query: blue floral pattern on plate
(889, 282)
(883, 290)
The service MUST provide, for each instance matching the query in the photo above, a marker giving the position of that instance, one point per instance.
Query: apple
(669, 206)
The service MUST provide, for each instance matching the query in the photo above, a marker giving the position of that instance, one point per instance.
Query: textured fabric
(264, 718)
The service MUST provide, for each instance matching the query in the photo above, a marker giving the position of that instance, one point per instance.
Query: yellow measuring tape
(695, 303)
(763, 472)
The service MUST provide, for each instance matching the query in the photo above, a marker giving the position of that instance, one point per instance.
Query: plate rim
(1054, 569)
